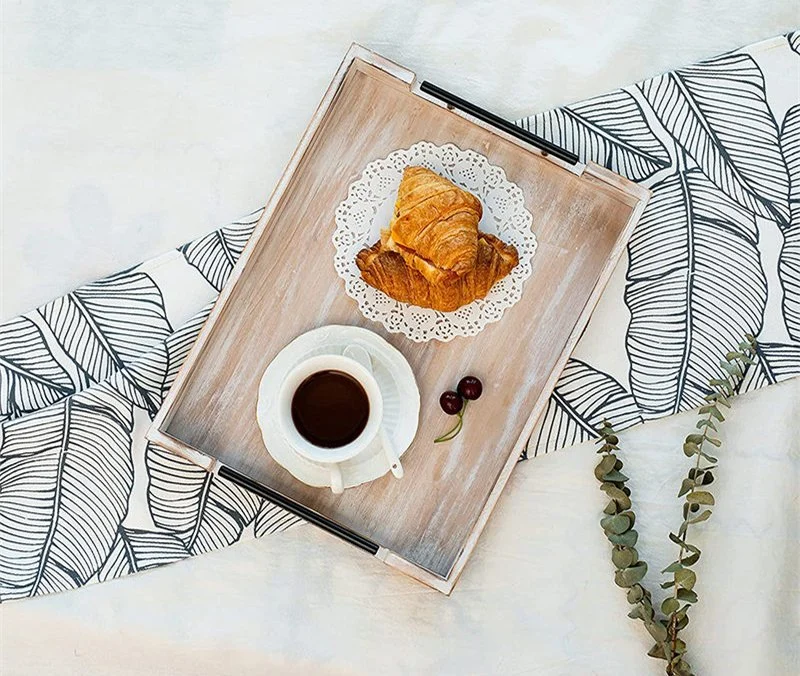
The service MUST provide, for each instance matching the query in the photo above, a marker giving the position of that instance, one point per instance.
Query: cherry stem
(453, 433)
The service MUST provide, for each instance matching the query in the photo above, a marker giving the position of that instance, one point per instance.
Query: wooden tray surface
(289, 286)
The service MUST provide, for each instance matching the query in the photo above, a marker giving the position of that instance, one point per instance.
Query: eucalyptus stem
(618, 526)
(696, 496)
(619, 519)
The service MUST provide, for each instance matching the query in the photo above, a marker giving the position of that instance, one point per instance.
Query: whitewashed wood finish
(285, 284)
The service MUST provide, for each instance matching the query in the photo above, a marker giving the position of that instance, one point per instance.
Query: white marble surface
(129, 127)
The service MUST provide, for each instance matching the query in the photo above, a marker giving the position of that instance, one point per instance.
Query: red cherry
(451, 402)
(470, 388)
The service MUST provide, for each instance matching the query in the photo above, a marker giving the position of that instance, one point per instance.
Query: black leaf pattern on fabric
(107, 325)
(155, 371)
(775, 362)
(30, 377)
(273, 519)
(581, 400)
(610, 130)
(695, 287)
(136, 549)
(215, 254)
(717, 111)
(789, 261)
(65, 480)
(794, 40)
(205, 511)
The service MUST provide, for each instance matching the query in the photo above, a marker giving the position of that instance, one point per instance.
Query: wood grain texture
(288, 286)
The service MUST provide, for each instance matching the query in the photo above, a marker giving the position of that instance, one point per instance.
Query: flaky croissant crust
(388, 271)
(434, 225)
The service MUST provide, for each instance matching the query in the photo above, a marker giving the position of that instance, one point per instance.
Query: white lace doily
(368, 208)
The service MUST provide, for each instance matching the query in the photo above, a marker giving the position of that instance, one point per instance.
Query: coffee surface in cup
(330, 409)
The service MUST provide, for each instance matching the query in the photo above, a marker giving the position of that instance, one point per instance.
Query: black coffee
(330, 409)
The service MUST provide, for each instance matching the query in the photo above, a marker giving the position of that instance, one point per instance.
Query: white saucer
(400, 403)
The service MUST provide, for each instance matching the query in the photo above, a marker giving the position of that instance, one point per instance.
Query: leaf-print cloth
(83, 497)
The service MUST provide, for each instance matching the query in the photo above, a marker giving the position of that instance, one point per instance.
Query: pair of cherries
(455, 403)
(469, 389)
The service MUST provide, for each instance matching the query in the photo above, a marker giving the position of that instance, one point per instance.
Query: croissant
(434, 226)
(388, 271)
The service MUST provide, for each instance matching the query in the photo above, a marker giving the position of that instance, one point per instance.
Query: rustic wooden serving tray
(284, 284)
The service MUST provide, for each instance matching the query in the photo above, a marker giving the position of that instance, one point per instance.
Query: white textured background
(129, 127)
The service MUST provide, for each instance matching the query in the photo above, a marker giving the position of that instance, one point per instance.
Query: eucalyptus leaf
(670, 605)
(691, 547)
(702, 517)
(685, 578)
(658, 651)
(716, 413)
(700, 498)
(694, 439)
(614, 475)
(732, 369)
(617, 524)
(706, 423)
(610, 508)
(690, 448)
(677, 540)
(691, 559)
(622, 558)
(616, 494)
(657, 631)
(722, 399)
(687, 595)
(635, 594)
(607, 463)
(686, 486)
(714, 441)
(630, 576)
(672, 567)
(604, 466)
(626, 539)
(635, 613)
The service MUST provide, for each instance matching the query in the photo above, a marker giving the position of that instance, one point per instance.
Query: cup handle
(337, 485)
(391, 455)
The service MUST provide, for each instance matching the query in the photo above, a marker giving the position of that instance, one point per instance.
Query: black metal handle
(497, 121)
(300, 510)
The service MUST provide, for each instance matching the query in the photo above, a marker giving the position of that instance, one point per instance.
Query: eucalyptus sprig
(619, 517)
(618, 526)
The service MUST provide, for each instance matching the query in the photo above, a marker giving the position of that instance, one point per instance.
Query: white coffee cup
(332, 457)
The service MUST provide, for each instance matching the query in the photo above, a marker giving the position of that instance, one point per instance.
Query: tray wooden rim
(634, 194)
